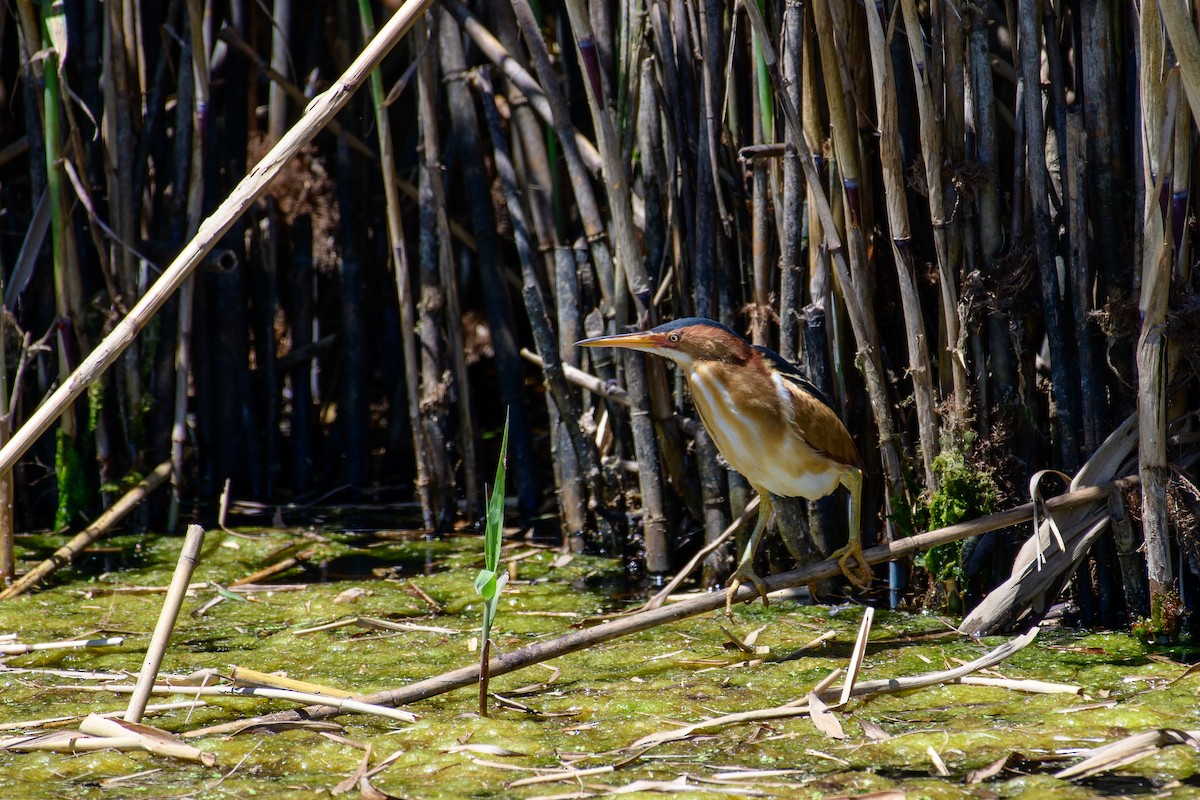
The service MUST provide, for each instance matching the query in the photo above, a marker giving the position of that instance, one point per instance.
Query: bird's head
(684, 341)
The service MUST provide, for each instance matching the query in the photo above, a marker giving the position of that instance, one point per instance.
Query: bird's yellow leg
(745, 569)
(850, 558)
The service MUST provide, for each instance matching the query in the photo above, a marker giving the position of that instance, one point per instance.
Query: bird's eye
(674, 337)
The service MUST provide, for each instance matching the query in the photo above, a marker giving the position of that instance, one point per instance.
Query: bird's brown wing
(818, 423)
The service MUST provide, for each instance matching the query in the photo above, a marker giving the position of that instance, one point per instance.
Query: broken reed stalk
(319, 112)
(69, 551)
(625, 626)
(1158, 106)
(166, 622)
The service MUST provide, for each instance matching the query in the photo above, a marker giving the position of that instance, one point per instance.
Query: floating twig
(21, 649)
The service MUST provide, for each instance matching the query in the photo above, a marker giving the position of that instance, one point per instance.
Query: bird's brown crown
(705, 340)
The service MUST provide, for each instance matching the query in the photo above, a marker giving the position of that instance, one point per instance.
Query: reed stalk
(498, 306)
(1063, 366)
(443, 363)
(599, 483)
(248, 189)
(933, 154)
(400, 266)
(902, 251)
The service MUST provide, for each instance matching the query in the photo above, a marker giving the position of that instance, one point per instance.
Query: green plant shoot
(491, 579)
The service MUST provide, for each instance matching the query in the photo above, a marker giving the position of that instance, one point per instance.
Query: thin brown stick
(104, 523)
(274, 569)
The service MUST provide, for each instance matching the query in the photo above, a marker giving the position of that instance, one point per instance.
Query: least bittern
(769, 422)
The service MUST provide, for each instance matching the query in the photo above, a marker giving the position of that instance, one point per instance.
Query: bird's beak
(645, 341)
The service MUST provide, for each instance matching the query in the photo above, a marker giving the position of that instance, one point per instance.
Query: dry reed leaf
(345, 785)
(678, 786)
(824, 719)
(252, 726)
(484, 750)
(873, 731)
(561, 775)
(755, 774)
(991, 770)
(103, 733)
(818, 754)
(352, 594)
(883, 686)
(1126, 751)
(1035, 497)
(1088, 707)
(367, 791)
(938, 765)
(1187, 673)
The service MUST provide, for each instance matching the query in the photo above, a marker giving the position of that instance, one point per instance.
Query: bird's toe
(744, 575)
(854, 566)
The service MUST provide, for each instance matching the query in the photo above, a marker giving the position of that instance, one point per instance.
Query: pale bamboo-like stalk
(277, 108)
(762, 131)
(1182, 32)
(187, 292)
(852, 276)
(559, 117)
(616, 176)
(118, 138)
(898, 224)
(1157, 259)
(166, 622)
(103, 524)
(320, 111)
(933, 153)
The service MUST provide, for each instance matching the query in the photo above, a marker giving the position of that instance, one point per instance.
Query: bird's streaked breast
(754, 437)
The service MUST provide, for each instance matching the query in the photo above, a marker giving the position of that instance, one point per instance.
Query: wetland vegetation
(280, 264)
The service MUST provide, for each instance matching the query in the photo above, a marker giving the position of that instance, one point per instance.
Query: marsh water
(583, 710)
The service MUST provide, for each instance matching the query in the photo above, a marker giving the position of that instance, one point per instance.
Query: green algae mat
(369, 612)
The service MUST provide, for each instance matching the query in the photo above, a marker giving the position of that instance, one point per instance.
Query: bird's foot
(854, 565)
(744, 574)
